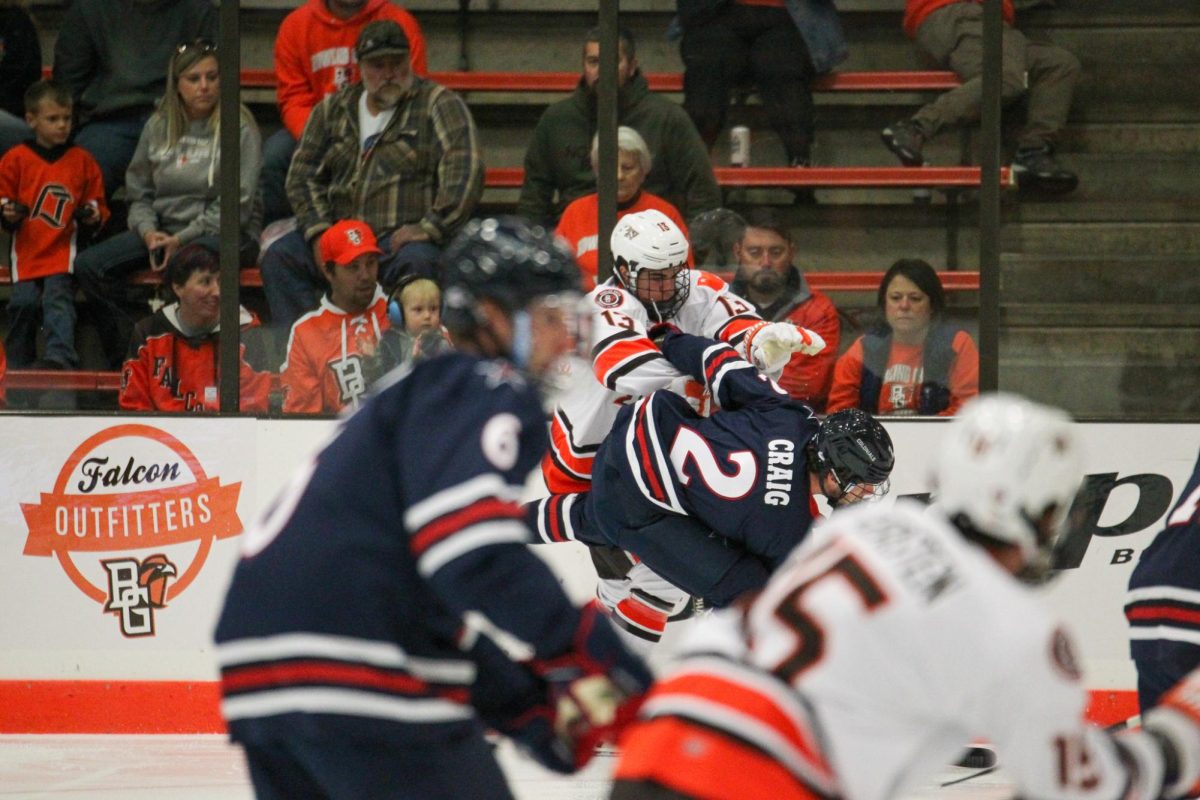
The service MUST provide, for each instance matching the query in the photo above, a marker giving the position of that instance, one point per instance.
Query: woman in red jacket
(174, 363)
(915, 362)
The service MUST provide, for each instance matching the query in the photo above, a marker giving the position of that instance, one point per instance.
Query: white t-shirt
(371, 125)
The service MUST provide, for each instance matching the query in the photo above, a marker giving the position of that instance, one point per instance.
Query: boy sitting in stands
(50, 192)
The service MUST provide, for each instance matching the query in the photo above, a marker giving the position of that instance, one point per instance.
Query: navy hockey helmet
(507, 260)
(857, 451)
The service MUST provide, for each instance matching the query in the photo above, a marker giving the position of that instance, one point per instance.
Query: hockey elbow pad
(595, 688)
(1176, 723)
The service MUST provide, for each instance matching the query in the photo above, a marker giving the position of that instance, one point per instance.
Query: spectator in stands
(713, 236)
(415, 315)
(951, 33)
(397, 151)
(172, 185)
(780, 45)
(110, 54)
(768, 277)
(580, 223)
(557, 167)
(50, 191)
(312, 61)
(20, 66)
(173, 362)
(329, 351)
(915, 362)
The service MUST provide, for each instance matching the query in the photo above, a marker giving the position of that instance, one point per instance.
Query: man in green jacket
(557, 164)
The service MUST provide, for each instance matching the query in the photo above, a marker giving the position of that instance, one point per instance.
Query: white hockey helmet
(1005, 464)
(649, 240)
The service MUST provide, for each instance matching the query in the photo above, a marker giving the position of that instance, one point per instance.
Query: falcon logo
(51, 205)
(136, 589)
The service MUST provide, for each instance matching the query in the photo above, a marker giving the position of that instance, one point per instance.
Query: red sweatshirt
(167, 371)
(915, 12)
(314, 54)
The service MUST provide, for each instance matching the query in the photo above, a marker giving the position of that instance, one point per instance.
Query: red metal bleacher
(875, 81)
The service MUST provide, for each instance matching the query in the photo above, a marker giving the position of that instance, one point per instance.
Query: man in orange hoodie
(951, 33)
(314, 57)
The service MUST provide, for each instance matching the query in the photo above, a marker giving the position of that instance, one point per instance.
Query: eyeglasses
(201, 45)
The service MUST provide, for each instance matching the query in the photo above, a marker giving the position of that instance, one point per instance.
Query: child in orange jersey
(49, 191)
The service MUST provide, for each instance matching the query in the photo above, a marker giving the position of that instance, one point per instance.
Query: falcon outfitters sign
(131, 518)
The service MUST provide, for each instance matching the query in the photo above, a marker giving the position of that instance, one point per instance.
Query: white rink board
(53, 629)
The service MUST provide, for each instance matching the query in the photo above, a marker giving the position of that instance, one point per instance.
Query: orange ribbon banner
(131, 520)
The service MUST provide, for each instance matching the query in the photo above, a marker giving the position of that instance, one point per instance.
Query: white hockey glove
(769, 345)
(1176, 720)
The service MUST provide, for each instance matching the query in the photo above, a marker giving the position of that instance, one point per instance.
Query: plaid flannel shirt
(425, 167)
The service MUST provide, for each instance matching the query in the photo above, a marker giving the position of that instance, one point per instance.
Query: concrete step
(1140, 316)
(1104, 239)
(1106, 372)
(1141, 281)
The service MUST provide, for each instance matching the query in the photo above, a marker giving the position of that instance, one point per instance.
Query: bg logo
(126, 489)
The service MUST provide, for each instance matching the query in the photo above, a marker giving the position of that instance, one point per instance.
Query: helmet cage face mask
(857, 452)
(649, 240)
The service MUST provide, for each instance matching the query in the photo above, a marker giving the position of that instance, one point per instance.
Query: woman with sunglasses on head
(173, 187)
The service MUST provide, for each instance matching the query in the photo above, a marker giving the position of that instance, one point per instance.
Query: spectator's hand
(87, 215)
(408, 233)
(170, 245)
(14, 212)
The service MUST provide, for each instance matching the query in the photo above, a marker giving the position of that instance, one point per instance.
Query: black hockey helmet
(857, 451)
(507, 260)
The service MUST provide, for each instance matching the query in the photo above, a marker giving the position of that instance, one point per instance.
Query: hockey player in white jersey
(651, 284)
(895, 634)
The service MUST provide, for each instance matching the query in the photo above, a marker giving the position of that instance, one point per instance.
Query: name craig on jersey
(781, 454)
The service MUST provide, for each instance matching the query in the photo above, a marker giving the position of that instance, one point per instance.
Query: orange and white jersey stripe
(756, 737)
(626, 365)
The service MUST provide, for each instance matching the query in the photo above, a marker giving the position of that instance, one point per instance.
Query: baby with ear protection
(415, 311)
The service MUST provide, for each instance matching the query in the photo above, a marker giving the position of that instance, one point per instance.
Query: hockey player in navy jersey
(360, 642)
(1163, 604)
(712, 505)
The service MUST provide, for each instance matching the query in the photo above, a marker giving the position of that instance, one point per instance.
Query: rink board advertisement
(119, 535)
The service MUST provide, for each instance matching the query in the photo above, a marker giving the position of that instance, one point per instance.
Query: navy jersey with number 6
(357, 607)
(712, 504)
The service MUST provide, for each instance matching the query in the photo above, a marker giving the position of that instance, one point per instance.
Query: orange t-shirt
(580, 224)
(903, 376)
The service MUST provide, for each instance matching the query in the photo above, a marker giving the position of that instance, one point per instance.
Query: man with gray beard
(768, 277)
(395, 150)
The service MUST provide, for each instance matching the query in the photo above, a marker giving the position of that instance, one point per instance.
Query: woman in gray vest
(914, 362)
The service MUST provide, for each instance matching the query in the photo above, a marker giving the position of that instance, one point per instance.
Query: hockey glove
(658, 331)
(769, 345)
(1176, 722)
(595, 688)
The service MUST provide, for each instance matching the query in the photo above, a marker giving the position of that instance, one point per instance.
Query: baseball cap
(381, 37)
(346, 241)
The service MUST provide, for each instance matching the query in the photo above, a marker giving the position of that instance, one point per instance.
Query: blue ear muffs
(395, 309)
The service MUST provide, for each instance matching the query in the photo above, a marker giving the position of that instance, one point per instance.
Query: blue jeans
(112, 142)
(277, 158)
(53, 298)
(293, 284)
(101, 271)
